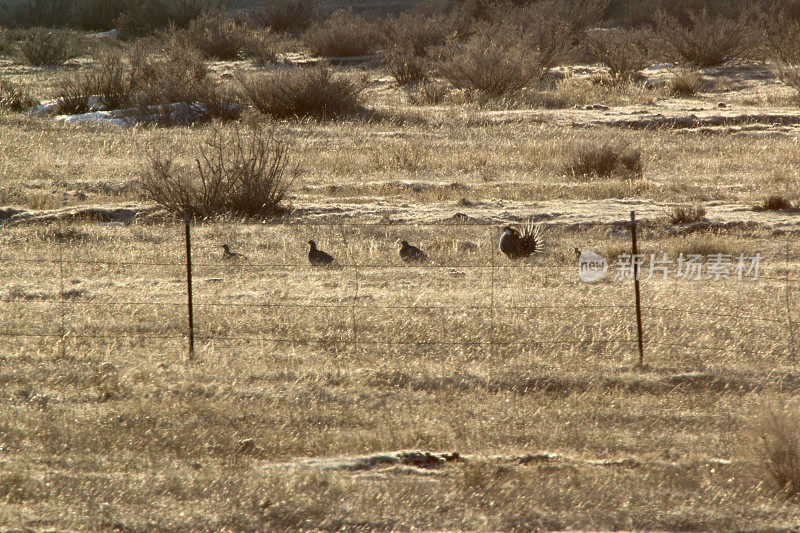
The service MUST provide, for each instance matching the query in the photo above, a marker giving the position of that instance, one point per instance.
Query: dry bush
(45, 46)
(418, 30)
(685, 82)
(343, 34)
(291, 16)
(113, 81)
(681, 214)
(624, 52)
(429, 93)
(219, 36)
(148, 16)
(246, 173)
(15, 98)
(707, 40)
(302, 92)
(496, 61)
(776, 203)
(607, 160)
(405, 66)
(778, 434)
(97, 15)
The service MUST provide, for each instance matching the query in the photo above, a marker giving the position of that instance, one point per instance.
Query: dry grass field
(466, 393)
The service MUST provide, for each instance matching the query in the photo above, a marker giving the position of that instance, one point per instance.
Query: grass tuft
(607, 160)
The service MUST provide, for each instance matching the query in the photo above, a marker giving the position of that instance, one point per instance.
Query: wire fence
(467, 301)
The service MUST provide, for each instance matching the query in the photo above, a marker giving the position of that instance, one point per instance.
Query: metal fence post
(187, 218)
(634, 260)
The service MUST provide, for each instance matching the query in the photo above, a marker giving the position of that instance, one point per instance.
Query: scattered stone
(722, 105)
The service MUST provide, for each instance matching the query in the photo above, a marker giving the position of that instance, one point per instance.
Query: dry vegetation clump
(142, 79)
(624, 52)
(778, 434)
(149, 16)
(343, 34)
(289, 16)
(776, 203)
(782, 39)
(405, 66)
(681, 214)
(15, 98)
(685, 82)
(419, 30)
(706, 40)
(246, 173)
(302, 92)
(497, 60)
(218, 36)
(429, 93)
(48, 46)
(607, 160)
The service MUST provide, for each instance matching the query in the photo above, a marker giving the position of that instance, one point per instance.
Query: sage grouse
(318, 257)
(227, 254)
(518, 245)
(412, 254)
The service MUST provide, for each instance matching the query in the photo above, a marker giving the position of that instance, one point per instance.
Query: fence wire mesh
(125, 287)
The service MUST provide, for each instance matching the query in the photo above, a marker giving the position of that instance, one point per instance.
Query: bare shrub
(405, 66)
(685, 82)
(782, 39)
(148, 16)
(113, 81)
(681, 214)
(708, 40)
(218, 36)
(97, 15)
(429, 93)
(246, 173)
(15, 98)
(624, 52)
(778, 434)
(343, 34)
(45, 46)
(418, 30)
(496, 61)
(291, 16)
(262, 47)
(302, 92)
(607, 160)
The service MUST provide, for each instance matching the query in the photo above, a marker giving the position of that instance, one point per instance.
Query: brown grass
(681, 214)
(106, 425)
(605, 161)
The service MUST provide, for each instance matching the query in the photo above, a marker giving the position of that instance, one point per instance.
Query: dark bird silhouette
(412, 254)
(518, 244)
(228, 255)
(318, 257)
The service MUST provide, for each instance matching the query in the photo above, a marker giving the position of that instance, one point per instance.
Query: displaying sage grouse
(412, 254)
(318, 257)
(228, 255)
(518, 244)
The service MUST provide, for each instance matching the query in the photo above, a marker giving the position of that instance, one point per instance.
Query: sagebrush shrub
(243, 173)
(496, 61)
(143, 17)
(15, 98)
(113, 82)
(343, 34)
(681, 214)
(778, 447)
(708, 40)
(292, 16)
(302, 92)
(49, 47)
(685, 82)
(218, 36)
(418, 30)
(429, 93)
(776, 203)
(624, 52)
(405, 66)
(607, 160)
